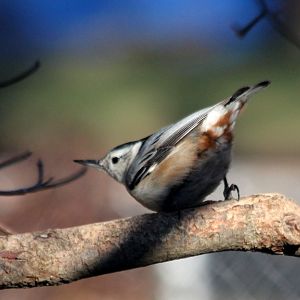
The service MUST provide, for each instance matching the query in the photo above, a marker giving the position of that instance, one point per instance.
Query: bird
(178, 166)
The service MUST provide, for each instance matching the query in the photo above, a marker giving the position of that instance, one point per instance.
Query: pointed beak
(89, 163)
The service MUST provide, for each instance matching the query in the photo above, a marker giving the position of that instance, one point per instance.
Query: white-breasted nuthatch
(179, 165)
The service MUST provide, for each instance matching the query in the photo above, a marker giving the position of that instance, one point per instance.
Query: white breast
(154, 188)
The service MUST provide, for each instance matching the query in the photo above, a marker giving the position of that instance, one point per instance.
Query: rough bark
(267, 223)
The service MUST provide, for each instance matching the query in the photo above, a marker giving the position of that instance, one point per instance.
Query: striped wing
(159, 145)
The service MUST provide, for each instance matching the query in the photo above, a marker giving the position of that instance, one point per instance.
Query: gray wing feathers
(159, 145)
(173, 134)
(179, 130)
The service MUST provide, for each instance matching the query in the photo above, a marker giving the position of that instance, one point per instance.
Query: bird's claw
(228, 192)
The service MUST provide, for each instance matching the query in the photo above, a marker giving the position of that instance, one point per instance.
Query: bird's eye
(115, 160)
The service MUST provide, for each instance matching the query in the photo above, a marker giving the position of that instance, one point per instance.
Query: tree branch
(20, 76)
(273, 18)
(41, 183)
(267, 223)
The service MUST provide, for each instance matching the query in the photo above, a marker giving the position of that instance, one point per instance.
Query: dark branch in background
(242, 31)
(15, 159)
(273, 19)
(20, 76)
(41, 183)
(65, 180)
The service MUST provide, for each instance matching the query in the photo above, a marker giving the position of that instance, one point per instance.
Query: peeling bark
(267, 223)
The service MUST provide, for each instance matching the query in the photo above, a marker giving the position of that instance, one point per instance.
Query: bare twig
(20, 76)
(268, 223)
(60, 182)
(15, 159)
(42, 184)
(274, 20)
(241, 31)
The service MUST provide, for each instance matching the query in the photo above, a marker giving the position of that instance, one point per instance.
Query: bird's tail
(243, 93)
(221, 118)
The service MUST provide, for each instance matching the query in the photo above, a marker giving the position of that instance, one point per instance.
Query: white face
(117, 161)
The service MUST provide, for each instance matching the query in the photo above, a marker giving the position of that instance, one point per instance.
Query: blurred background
(115, 71)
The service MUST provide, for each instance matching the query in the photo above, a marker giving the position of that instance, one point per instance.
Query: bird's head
(116, 162)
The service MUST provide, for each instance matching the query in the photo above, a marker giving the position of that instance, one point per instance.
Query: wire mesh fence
(253, 276)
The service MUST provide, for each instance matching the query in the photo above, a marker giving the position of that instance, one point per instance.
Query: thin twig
(20, 76)
(66, 180)
(15, 159)
(42, 184)
(241, 31)
(274, 20)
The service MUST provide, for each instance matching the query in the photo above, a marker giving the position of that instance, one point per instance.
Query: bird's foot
(228, 189)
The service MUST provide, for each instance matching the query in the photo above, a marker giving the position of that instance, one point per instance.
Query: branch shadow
(137, 243)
